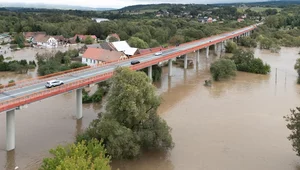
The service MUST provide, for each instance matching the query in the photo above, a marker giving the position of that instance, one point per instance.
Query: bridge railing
(39, 79)
(26, 99)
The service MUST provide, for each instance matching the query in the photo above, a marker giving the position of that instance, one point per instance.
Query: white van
(53, 83)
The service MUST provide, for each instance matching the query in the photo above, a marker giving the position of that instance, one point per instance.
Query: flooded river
(233, 125)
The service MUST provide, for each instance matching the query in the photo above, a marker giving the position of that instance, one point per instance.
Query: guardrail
(26, 99)
(26, 82)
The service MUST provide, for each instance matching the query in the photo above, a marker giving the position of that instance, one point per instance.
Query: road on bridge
(5, 96)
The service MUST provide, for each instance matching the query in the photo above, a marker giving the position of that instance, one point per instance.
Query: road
(27, 90)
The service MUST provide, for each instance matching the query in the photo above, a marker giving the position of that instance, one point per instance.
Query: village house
(116, 36)
(94, 56)
(98, 20)
(44, 41)
(121, 46)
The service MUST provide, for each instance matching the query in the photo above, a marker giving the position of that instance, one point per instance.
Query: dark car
(135, 62)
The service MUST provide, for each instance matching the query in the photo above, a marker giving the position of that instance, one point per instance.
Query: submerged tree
(223, 69)
(130, 123)
(84, 155)
(294, 125)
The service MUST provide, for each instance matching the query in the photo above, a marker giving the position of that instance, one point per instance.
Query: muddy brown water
(235, 124)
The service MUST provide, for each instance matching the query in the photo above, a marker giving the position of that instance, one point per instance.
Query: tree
(137, 42)
(113, 39)
(130, 123)
(1, 58)
(88, 40)
(19, 39)
(222, 69)
(294, 125)
(77, 39)
(177, 39)
(245, 61)
(230, 46)
(297, 67)
(84, 155)
(248, 42)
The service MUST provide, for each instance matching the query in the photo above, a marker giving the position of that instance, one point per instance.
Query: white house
(45, 41)
(123, 46)
(98, 20)
(94, 56)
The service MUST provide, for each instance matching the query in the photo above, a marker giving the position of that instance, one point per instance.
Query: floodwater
(235, 124)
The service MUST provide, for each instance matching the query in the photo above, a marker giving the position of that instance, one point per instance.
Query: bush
(248, 42)
(230, 47)
(84, 155)
(222, 69)
(245, 61)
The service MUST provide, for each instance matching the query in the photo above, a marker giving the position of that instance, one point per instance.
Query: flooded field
(235, 124)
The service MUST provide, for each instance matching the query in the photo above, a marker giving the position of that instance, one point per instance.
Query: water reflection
(78, 127)
(10, 160)
(243, 81)
(149, 161)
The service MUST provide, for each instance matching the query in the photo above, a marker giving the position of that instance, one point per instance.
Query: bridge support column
(216, 48)
(170, 67)
(207, 52)
(150, 73)
(198, 56)
(10, 130)
(185, 61)
(79, 103)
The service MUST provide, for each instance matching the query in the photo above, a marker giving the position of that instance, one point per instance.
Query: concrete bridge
(26, 92)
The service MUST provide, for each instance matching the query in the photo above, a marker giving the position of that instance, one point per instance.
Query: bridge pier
(170, 67)
(150, 73)
(10, 130)
(207, 52)
(185, 61)
(216, 48)
(79, 103)
(198, 57)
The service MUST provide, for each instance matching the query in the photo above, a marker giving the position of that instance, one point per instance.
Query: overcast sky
(119, 3)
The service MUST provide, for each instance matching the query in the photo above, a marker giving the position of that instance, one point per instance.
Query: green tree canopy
(137, 43)
(88, 40)
(130, 123)
(230, 47)
(245, 61)
(89, 155)
(222, 69)
(294, 125)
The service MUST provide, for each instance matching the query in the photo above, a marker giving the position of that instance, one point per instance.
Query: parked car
(53, 83)
(158, 53)
(135, 62)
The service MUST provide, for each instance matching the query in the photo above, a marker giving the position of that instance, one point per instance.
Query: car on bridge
(53, 83)
(158, 53)
(135, 62)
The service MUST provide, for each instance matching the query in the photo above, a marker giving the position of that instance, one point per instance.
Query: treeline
(49, 63)
(150, 30)
(281, 29)
(21, 66)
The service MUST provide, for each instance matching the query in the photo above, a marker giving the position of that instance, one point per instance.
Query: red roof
(100, 54)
